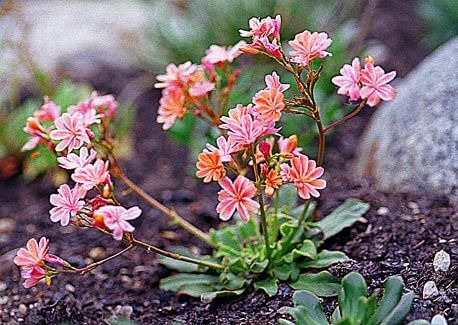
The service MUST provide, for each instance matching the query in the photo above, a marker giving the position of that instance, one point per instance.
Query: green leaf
(322, 284)
(287, 196)
(226, 236)
(233, 282)
(419, 322)
(391, 297)
(210, 296)
(285, 271)
(248, 230)
(308, 250)
(353, 288)
(178, 281)
(345, 215)
(307, 310)
(177, 265)
(399, 313)
(269, 285)
(195, 290)
(324, 259)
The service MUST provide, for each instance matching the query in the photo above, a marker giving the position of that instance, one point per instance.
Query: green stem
(301, 218)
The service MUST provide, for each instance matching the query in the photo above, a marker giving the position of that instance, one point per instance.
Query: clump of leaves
(355, 306)
(294, 249)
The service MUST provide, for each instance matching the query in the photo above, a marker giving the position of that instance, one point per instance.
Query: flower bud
(265, 148)
(369, 60)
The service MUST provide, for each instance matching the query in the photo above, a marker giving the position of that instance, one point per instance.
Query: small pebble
(123, 312)
(3, 300)
(3, 286)
(430, 290)
(383, 211)
(23, 309)
(7, 225)
(97, 253)
(439, 320)
(69, 288)
(413, 205)
(441, 261)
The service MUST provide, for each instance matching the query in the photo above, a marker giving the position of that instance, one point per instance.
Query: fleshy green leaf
(307, 310)
(210, 296)
(177, 265)
(322, 284)
(248, 230)
(285, 271)
(308, 250)
(226, 236)
(269, 285)
(324, 259)
(345, 215)
(178, 281)
(391, 297)
(399, 313)
(353, 288)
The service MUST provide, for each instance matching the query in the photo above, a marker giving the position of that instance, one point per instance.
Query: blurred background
(64, 49)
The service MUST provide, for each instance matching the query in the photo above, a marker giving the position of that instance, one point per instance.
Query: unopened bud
(265, 148)
(106, 192)
(249, 50)
(369, 60)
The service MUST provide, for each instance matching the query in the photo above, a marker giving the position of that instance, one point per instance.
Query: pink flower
(210, 166)
(67, 203)
(262, 44)
(289, 146)
(218, 55)
(34, 254)
(269, 103)
(38, 132)
(171, 107)
(236, 195)
(116, 219)
(273, 182)
(246, 129)
(176, 76)
(309, 46)
(201, 88)
(32, 275)
(48, 112)
(349, 79)
(70, 131)
(266, 27)
(88, 112)
(375, 84)
(224, 147)
(304, 174)
(273, 81)
(73, 161)
(92, 174)
(106, 104)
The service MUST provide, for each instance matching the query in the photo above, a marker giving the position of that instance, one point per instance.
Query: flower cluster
(370, 83)
(190, 85)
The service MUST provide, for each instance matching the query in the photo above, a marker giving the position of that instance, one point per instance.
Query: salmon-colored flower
(349, 80)
(273, 182)
(236, 195)
(89, 113)
(171, 107)
(309, 46)
(269, 103)
(288, 146)
(106, 104)
(269, 27)
(210, 166)
(224, 147)
(67, 203)
(34, 254)
(218, 55)
(48, 112)
(36, 130)
(305, 176)
(32, 275)
(375, 84)
(70, 131)
(176, 76)
(262, 44)
(273, 81)
(73, 160)
(91, 174)
(116, 219)
(201, 88)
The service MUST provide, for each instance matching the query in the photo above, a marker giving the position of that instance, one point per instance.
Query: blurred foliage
(441, 18)
(183, 30)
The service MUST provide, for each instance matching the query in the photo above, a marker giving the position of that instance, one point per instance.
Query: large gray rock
(411, 144)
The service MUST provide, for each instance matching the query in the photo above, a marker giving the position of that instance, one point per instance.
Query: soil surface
(402, 239)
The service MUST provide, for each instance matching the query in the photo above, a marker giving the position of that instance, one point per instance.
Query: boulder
(411, 143)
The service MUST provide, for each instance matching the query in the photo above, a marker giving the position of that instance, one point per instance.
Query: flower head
(224, 147)
(92, 174)
(70, 131)
(201, 88)
(375, 84)
(176, 76)
(262, 44)
(309, 46)
(36, 130)
(236, 195)
(266, 27)
(106, 104)
(73, 161)
(269, 103)
(87, 110)
(48, 112)
(218, 55)
(67, 203)
(171, 107)
(305, 176)
(288, 146)
(210, 166)
(34, 254)
(273, 81)
(116, 218)
(32, 275)
(349, 80)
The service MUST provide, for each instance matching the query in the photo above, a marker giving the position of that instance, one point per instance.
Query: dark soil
(403, 241)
